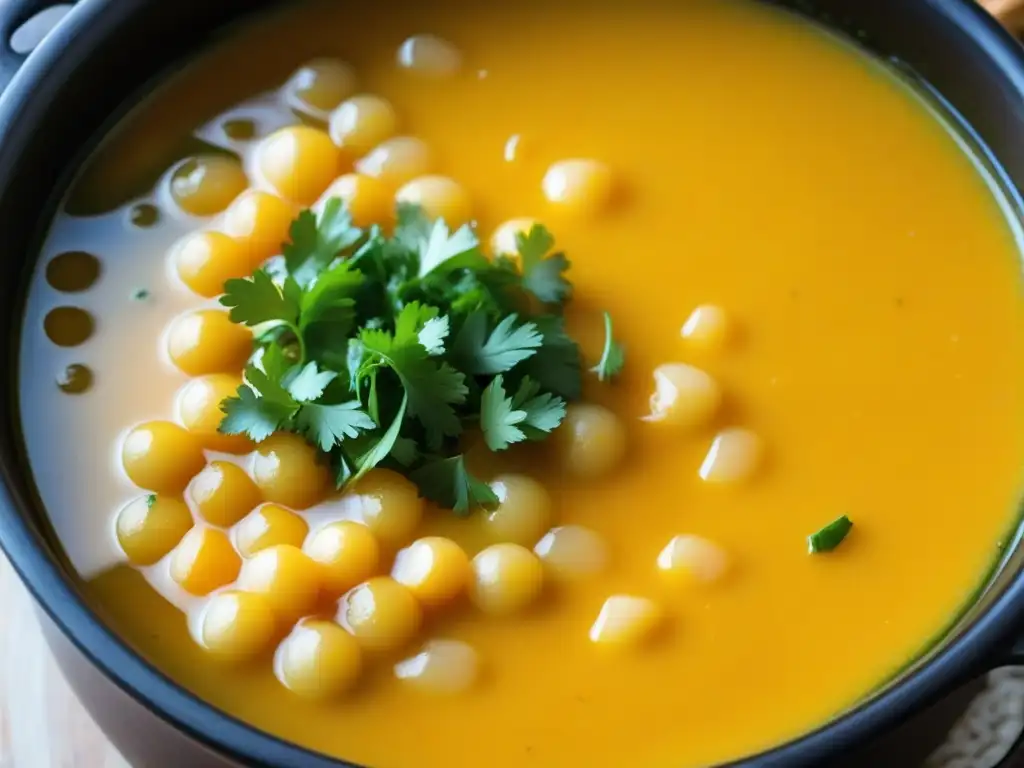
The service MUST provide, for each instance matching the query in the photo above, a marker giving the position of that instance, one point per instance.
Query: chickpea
(151, 526)
(506, 579)
(707, 328)
(319, 660)
(236, 626)
(684, 396)
(161, 456)
(320, 85)
(581, 188)
(259, 223)
(206, 341)
(436, 570)
(368, 199)
(591, 440)
(287, 471)
(348, 553)
(268, 526)
(298, 162)
(572, 551)
(441, 667)
(222, 494)
(288, 580)
(523, 512)
(381, 613)
(429, 56)
(692, 560)
(734, 457)
(204, 560)
(204, 185)
(439, 197)
(389, 505)
(199, 408)
(397, 160)
(361, 123)
(503, 240)
(206, 260)
(625, 620)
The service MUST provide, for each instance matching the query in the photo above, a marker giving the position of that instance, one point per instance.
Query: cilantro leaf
(309, 383)
(450, 484)
(329, 425)
(499, 417)
(432, 388)
(258, 300)
(543, 274)
(269, 385)
(331, 297)
(613, 357)
(504, 349)
(556, 366)
(317, 240)
(433, 334)
(460, 249)
(248, 414)
(380, 450)
(544, 411)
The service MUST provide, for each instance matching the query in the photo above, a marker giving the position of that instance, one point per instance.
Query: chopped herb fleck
(829, 537)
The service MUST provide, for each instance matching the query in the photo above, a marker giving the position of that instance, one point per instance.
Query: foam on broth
(871, 266)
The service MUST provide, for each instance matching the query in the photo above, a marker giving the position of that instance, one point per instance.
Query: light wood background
(42, 725)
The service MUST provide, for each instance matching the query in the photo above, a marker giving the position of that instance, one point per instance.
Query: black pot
(59, 101)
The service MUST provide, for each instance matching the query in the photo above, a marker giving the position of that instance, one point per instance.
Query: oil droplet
(144, 215)
(75, 379)
(321, 85)
(68, 326)
(430, 56)
(239, 129)
(72, 271)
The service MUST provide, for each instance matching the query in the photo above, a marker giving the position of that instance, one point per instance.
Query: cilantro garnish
(381, 350)
(613, 357)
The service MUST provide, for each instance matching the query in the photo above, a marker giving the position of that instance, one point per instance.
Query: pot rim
(89, 24)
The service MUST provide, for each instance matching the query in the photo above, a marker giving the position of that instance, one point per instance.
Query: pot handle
(13, 14)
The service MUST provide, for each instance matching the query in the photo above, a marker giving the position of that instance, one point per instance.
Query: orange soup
(444, 383)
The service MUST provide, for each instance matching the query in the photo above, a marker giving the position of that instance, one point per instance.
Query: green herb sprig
(384, 349)
(831, 536)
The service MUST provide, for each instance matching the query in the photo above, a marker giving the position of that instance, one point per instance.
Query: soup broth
(859, 278)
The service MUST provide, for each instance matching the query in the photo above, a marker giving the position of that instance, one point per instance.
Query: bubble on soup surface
(684, 396)
(75, 379)
(441, 667)
(429, 55)
(347, 551)
(361, 123)
(321, 85)
(72, 271)
(144, 215)
(397, 160)
(689, 559)
(204, 560)
(435, 569)
(707, 328)
(205, 185)
(580, 187)
(267, 526)
(734, 456)
(319, 660)
(439, 197)
(572, 551)
(626, 621)
(68, 326)
(150, 526)
(236, 626)
(381, 613)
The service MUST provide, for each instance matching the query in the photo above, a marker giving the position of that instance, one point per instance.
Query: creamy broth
(865, 259)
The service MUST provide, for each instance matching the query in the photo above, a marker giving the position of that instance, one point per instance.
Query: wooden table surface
(42, 725)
